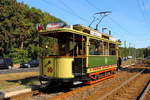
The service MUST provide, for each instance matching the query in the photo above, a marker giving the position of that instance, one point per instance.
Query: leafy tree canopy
(18, 26)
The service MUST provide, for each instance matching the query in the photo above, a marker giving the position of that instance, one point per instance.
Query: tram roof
(64, 30)
(79, 26)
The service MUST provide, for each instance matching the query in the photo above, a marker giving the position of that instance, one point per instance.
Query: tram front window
(49, 46)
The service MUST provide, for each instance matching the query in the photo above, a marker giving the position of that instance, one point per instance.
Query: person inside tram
(77, 50)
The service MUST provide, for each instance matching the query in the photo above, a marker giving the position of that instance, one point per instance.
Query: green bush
(33, 51)
(19, 55)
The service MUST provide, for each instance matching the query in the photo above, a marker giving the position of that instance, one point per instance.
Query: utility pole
(135, 53)
(124, 48)
(129, 49)
(129, 52)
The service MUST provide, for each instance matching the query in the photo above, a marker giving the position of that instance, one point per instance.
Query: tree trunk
(21, 42)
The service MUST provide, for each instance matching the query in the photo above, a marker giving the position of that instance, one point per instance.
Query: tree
(17, 27)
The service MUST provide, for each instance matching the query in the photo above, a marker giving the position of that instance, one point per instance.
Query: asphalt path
(17, 70)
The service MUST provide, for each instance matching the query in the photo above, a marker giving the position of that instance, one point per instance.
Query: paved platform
(16, 91)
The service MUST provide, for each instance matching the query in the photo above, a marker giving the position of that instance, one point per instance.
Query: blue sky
(129, 20)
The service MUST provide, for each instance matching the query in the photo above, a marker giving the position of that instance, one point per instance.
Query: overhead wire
(119, 25)
(144, 9)
(92, 5)
(112, 20)
(145, 16)
(63, 9)
(68, 7)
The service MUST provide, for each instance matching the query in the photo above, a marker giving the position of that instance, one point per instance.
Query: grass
(18, 79)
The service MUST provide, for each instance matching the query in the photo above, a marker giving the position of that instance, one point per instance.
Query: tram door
(79, 63)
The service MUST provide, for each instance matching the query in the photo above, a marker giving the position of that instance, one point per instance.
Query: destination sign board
(54, 26)
(96, 33)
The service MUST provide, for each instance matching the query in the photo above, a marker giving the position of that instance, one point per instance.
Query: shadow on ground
(53, 88)
(25, 81)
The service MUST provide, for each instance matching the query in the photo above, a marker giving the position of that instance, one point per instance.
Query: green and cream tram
(78, 53)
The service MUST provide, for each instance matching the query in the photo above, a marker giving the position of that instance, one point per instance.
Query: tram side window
(95, 47)
(91, 49)
(80, 48)
(77, 48)
(106, 49)
(72, 48)
(112, 49)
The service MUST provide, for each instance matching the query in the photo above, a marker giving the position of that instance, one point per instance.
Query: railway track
(81, 92)
(143, 94)
(128, 90)
(147, 96)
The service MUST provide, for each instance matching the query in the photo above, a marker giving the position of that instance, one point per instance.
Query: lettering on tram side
(99, 68)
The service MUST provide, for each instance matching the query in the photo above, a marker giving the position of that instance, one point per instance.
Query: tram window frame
(63, 46)
(106, 48)
(79, 48)
(112, 49)
(95, 47)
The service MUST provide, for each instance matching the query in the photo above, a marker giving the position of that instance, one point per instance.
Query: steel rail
(144, 92)
(123, 84)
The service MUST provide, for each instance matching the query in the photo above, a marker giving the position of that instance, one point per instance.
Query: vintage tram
(78, 53)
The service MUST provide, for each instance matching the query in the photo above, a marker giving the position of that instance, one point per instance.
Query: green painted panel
(95, 61)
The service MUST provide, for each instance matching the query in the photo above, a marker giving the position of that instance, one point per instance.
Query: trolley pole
(124, 48)
(104, 28)
(102, 16)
